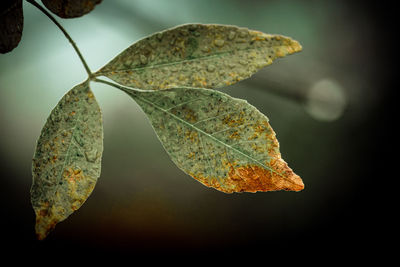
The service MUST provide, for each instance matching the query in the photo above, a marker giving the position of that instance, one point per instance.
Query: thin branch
(118, 86)
(33, 2)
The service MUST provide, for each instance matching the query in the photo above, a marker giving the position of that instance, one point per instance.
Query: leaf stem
(122, 88)
(33, 2)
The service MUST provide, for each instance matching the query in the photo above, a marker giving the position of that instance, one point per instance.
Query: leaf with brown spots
(197, 55)
(70, 8)
(11, 24)
(67, 160)
(221, 141)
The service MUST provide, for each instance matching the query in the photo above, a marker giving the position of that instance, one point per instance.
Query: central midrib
(219, 54)
(67, 154)
(206, 134)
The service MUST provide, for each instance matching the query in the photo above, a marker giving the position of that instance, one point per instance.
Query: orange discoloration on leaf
(235, 135)
(258, 149)
(190, 115)
(295, 46)
(259, 128)
(273, 145)
(90, 94)
(280, 53)
(77, 204)
(73, 175)
(79, 189)
(44, 227)
(254, 136)
(54, 159)
(290, 50)
(234, 120)
(192, 136)
(235, 77)
(253, 178)
(46, 219)
(227, 83)
(199, 81)
(44, 209)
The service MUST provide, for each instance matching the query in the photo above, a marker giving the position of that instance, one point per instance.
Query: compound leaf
(197, 55)
(11, 24)
(67, 161)
(221, 141)
(70, 8)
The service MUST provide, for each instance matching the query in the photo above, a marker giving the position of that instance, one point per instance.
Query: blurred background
(326, 104)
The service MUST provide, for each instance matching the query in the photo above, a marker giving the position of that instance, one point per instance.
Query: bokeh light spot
(326, 100)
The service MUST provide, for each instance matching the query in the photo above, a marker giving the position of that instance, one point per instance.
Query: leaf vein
(187, 102)
(204, 133)
(160, 65)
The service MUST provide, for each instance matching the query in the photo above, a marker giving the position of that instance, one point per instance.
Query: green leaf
(70, 8)
(67, 161)
(11, 24)
(197, 55)
(221, 141)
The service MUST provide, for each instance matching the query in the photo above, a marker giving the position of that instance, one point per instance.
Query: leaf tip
(253, 178)
(297, 183)
(43, 226)
(41, 235)
(295, 46)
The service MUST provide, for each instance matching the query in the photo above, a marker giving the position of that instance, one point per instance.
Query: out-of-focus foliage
(70, 8)
(12, 18)
(11, 24)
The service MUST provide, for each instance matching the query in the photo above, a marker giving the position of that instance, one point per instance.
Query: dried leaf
(67, 161)
(11, 24)
(221, 141)
(197, 55)
(70, 8)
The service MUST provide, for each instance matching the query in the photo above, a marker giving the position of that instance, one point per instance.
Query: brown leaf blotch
(252, 178)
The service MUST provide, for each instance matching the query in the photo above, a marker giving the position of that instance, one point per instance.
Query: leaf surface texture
(67, 160)
(221, 141)
(197, 55)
